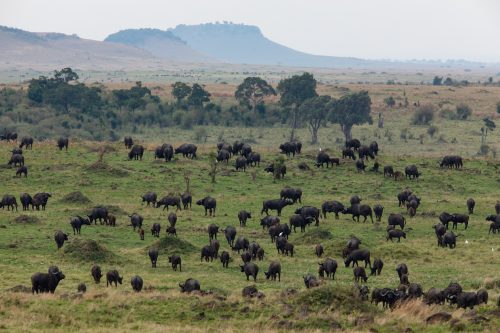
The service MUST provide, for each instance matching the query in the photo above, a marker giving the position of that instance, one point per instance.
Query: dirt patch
(25, 219)
(439, 317)
(75, 198)
(314, 236)
(173, 245)
(87, 250)
(105, 169)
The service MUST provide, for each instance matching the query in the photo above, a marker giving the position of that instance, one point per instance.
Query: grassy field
(27, 245)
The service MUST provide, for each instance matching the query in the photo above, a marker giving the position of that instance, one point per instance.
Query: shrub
(498, 107)
(447, 114)
(200, 134)
(463, 111)
(484, 150)
(390, 101)
(423, 115)
(432, 130)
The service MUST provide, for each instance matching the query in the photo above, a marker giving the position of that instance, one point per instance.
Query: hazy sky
(390, 29)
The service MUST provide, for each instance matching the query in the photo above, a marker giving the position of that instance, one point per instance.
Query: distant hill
(245, 44)
(54, 50)
(161, 44)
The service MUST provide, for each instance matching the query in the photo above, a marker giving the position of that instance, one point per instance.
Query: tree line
(75, 105)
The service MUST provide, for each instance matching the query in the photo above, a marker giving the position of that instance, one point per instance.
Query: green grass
(27, 245)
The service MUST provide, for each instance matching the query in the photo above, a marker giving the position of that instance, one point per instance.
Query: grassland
(27, 245)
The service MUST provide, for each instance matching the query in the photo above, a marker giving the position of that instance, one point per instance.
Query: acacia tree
(252, 91)
(294, 91)
(198, 96)
(315, 111)
(180, 90)
(349, 110)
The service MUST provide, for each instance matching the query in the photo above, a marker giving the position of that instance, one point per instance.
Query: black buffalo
(209, 203)
(187, 150)
(136, 152)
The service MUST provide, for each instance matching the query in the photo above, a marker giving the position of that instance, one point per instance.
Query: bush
(423, 115)
(498, 107)
(200, 134)
(390, 101)
(432, 130)
(463, 111)
(484, 150)
(447, 114)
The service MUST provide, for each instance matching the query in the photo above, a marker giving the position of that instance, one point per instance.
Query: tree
(65, 75)
(252, 92)
(423, 115)
(349, 110)
(463, 111)
(390, 101)
(294, 91)
(132, 98)
(437, 81)
(315, 111)
(180, 90)
(198, 96)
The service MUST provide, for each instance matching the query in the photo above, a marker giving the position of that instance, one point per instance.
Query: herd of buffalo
(279, 231)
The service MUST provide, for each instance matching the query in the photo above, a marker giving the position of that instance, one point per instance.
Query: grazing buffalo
(358, 255)
(225, 258)
(40, 200)
(360, 165)
(470, 205)
(230, 234)
(26, 200)
(250, 269)
(96, 273)
(279, 230)
(450, 240)
(297, 220)
(273, 271)
(175, 260)
(376, 269)
(9, 201)
(396, 220)
(395, 233)
(359, 273)
(411, 172)
(365, 152)
(237, 145)
(388, 171)
(353, 143)
(136, 152)
(159, 153)
(60, 237)
(440, 230)
(128, 142)
(294, 194)
(98, 213)
(435, 296)
(149, 198)
(186, 199)
(309, 213)
(268, 221)
(77, 222)
(347, 152)
(482, 296)
(240, 244)
(136, 221)
(189, 286)
(172, 219)
(113, 276)
(171, 231)
(22, 170)
(278, 171)
(253, 159)
(290, 148)
(225, 146)
(324, 158)
(328, 267)
(187, 150)
(16, 160)
(467, 300)
(378, 210)
(156, 229)
(213, 229)
(243, 216)
(63, 143)
(153, 256)
(26, 141)
(460, 218)
(246, 257)
(136, 283)
(46, 282)
(319, 250)
(332, 207)
(169, 200)
(223, 156)
(276, 204)
(358, 210)
(445, 218)
(209, 204)
(451, 161)
(241, 163)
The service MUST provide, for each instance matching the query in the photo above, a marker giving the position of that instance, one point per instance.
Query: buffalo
(411, 172)
(359, 273)
(250, 269)
(26, 141)
(223, 156)
(470, 205)
(26, 200)
(225, 258)
(189, 286)
(388, 171)
(136, 152)
(353, 143)
(309, 213)
(8, 201)
(77, 222)
(294, 194)
(136, 283)
(62, 143)
(279, 171)
(59, 238)
(153, 256)
(155, 229)
(98, 213)
(187, 150)
(175, 260)
(212, 229)
(253, 159)
(241, 163)
(376, 269)
(276, 204)
(40, 200)
(273, 270)
(209, 204)
(128, 141)
(136, 221)
(243, 216)
(268, 221)
(328, 267)
(358, 210)
(358, 255)
(172, 219)
(450, 240)
(95, 271)
(347, 152)
(230, 234)
(319, 250)
(378, 210)
(16, 160)
(332, 207)
(186, 199)
(396, 220)
(149, 198)
(46, 282)
(169, 200)
(395, 234)
(22, 170)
